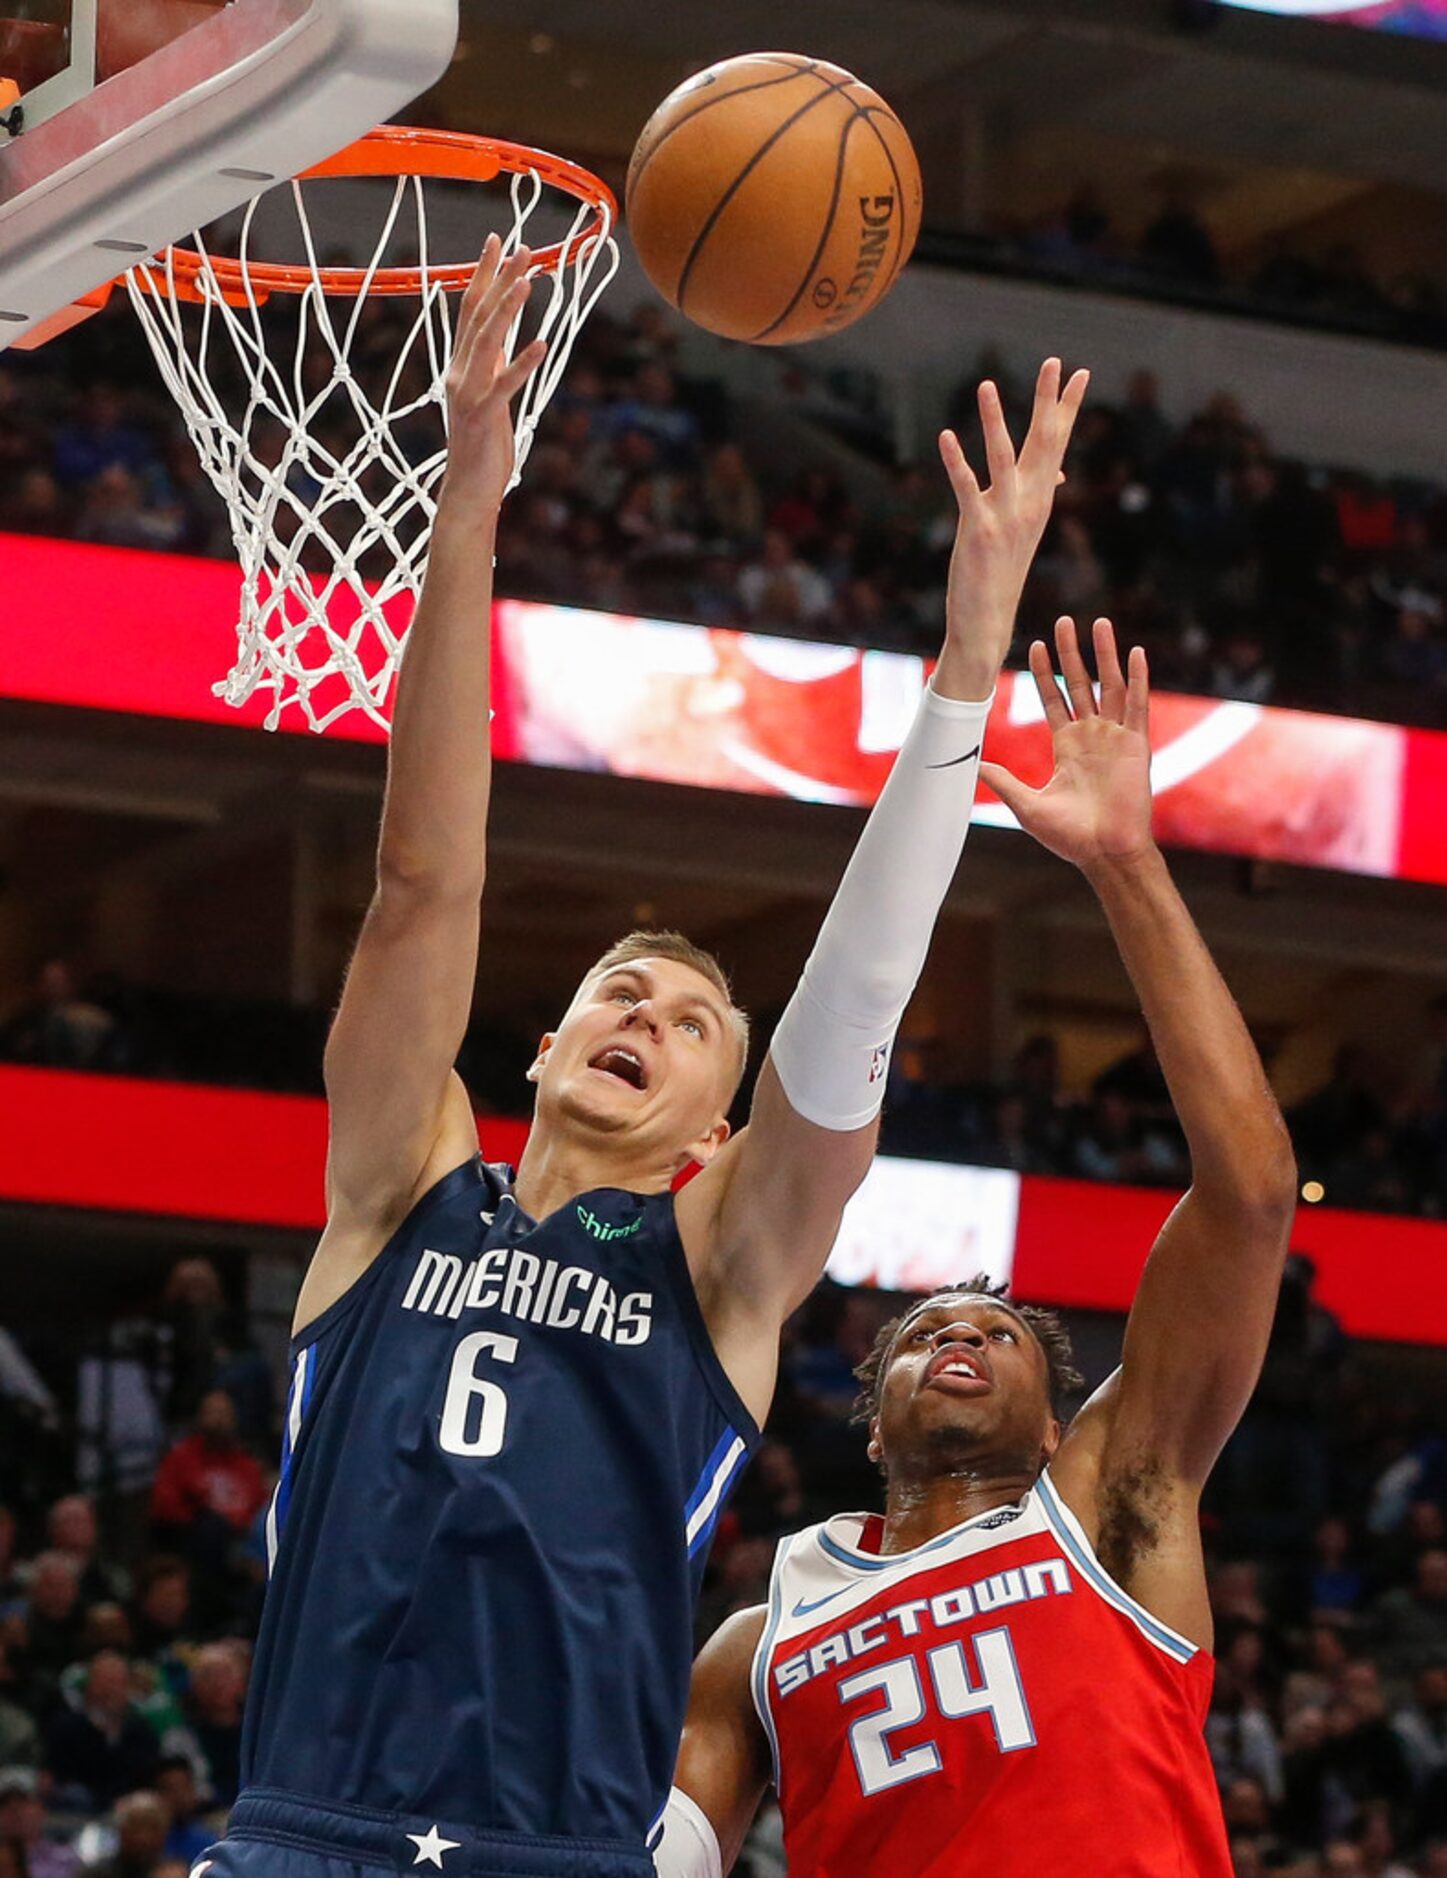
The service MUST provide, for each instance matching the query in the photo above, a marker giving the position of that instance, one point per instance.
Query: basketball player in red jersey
(1009, 1670)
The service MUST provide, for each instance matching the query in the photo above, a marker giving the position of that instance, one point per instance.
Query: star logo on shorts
(430, 1847)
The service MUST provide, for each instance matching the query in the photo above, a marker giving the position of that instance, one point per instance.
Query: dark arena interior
(717, 587)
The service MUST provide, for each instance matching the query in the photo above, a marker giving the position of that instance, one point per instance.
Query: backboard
(141, 120)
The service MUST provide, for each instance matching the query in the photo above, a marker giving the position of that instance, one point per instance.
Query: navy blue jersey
(506, 1450)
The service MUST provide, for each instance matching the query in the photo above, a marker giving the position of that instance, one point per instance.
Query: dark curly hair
(1045, 1326)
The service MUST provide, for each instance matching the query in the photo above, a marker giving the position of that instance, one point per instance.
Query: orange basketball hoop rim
(396, 151)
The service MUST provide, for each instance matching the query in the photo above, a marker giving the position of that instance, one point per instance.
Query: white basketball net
(329, 461)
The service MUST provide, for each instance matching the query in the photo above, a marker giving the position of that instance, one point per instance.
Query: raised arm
(399, 1115)
(723, 1762)
(1141, 1450)
(760, 1221)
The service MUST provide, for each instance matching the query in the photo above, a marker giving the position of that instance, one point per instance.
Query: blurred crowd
(1373, 1136)
(127, 1608)
(1173, 254)
(1245, 575)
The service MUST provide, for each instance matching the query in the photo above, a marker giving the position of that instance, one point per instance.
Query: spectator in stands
(1336, 1583)
(142, 1823)
(1421, 1725)
(19, 1736)
(1145, 429)
(1114, 1144)
(654, 408)
(1408, 1624)
(48, 1633)
(1331, 1122)
(161, 1620)
(208, 1488)
(1178, 244)
(23, 1824)
(733, 504)
(10, 1585)
(213, 1710)
(59, 1028)
(779, 589)
(102, 1748)
(188, 1834)
(1243, 671)
(116, 511)
(193, 1309)
(35, 505)
(1363, 1759)
(71, 1528)
(102, 438)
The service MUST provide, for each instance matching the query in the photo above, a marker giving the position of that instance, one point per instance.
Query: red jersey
(195, 1477)
(991, 1701)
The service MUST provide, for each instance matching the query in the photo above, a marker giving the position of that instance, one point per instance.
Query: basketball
(773, 198)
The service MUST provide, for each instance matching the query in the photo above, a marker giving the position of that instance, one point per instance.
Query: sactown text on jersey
(1046, 1578)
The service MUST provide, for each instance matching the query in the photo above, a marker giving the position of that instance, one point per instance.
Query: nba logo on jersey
(879, 1062)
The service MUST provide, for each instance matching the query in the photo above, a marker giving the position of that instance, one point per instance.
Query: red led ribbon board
(115, 1144)
(122, 630)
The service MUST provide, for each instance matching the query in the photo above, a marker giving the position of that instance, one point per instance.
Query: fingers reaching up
(1120, 696)
(491, 306)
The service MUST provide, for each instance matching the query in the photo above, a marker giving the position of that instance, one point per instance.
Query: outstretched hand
(481, 383)
(1000, 527)
(1096, 808)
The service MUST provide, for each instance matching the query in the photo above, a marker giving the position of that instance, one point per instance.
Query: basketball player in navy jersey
(518, 1401)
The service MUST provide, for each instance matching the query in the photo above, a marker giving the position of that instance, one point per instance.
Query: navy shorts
(276, 1835)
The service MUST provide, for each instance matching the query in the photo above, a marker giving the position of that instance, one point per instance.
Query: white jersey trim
(759, 1674)
(1082, 1555)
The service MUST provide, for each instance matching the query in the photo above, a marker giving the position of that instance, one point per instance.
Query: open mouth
(619, 1061)
(959, 1370)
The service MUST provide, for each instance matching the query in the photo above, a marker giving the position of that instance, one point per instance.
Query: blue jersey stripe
(710, 1468)
(707, 1511)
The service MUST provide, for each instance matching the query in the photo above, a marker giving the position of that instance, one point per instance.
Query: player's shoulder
(732, 1645)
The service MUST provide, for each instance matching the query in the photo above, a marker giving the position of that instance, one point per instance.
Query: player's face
(647, 1051)
(965, 1380)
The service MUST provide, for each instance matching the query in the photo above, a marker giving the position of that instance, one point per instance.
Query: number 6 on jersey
(465, 1388)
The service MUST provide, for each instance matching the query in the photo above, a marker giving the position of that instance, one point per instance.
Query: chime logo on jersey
(539, 1291)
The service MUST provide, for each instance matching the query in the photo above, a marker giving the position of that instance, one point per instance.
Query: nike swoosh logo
(955, 761)
(801, 1609)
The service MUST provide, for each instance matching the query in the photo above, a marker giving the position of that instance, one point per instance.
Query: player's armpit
(1140, 1518)
(758, 1224)
(723, 1762)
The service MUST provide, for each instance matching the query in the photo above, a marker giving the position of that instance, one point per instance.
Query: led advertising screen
(1423, 19)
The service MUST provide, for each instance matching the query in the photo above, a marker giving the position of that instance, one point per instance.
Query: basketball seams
(825, 233)
(758, 184)
(829, 90)
(722, 97)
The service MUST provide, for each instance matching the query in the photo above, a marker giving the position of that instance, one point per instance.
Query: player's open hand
(1000, 527)
(482, 383)
(1096, 808)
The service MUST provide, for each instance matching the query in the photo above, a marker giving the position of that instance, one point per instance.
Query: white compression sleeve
(689, 1847)
(831, 1049)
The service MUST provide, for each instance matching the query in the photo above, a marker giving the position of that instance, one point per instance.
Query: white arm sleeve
(831, 1049)
(688, 1847)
